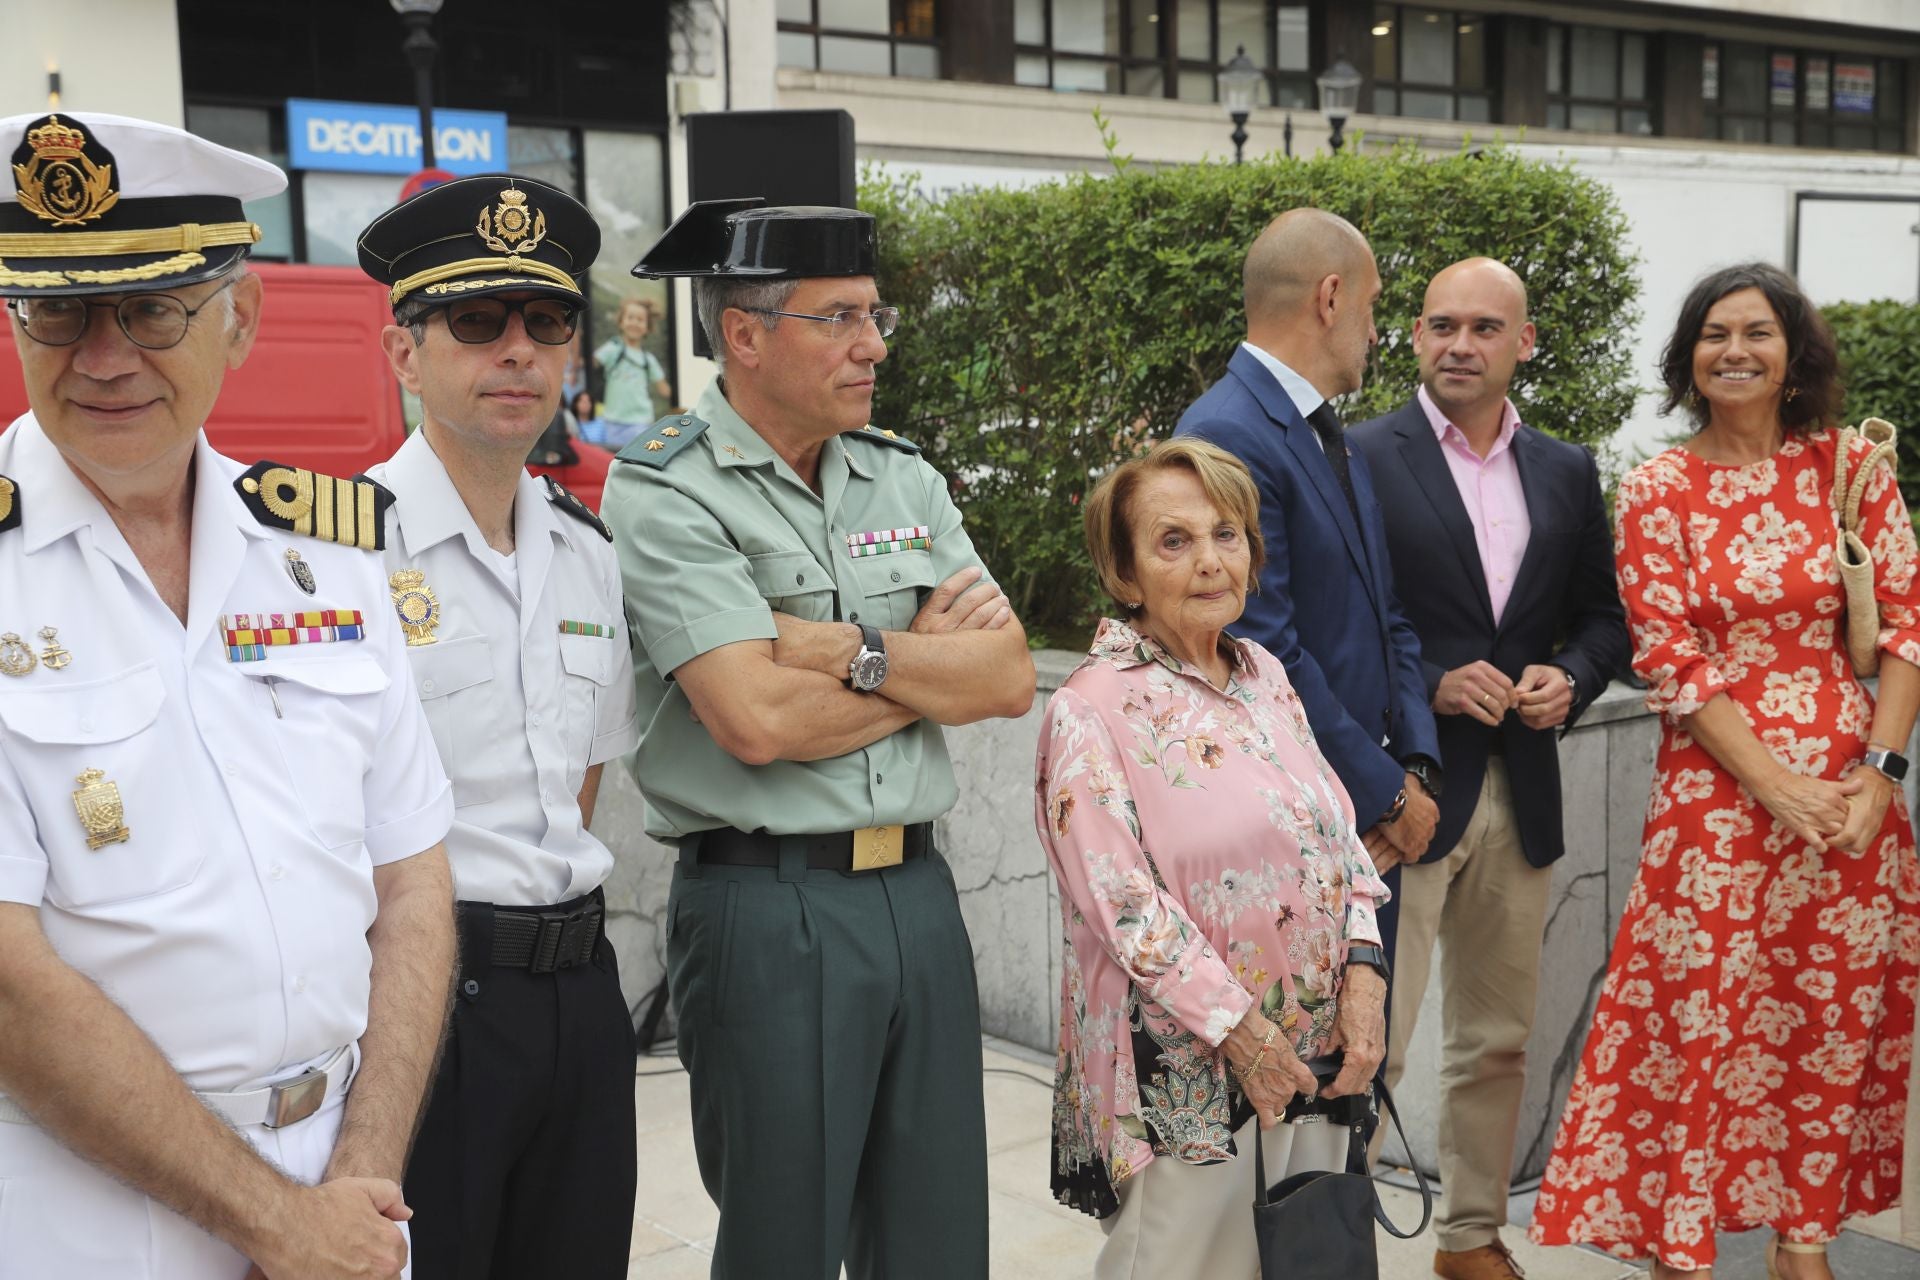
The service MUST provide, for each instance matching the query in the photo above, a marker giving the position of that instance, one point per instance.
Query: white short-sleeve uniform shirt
(527, 683)
(257, 797)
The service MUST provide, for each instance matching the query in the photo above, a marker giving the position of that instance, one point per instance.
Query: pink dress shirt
(1490, 489)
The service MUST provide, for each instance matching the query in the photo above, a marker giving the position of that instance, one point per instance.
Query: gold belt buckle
(876, 847)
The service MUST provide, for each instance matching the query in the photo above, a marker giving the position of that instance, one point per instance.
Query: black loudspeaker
(784, 157)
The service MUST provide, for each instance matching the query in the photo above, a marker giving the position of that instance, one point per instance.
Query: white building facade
(1729, 129)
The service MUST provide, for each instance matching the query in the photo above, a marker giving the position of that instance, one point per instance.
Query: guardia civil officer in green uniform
(807, 612)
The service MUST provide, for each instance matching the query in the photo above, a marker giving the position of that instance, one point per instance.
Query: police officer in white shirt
(511, 599)
(220, 862)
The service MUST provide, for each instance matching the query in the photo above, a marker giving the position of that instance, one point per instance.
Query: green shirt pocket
(894, 585)
(793, 582)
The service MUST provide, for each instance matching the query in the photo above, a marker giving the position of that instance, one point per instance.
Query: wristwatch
(1371, 956)
(1394, 810)
(1573, 686)
(1890, 763)
(1428, 772)
(868, 670)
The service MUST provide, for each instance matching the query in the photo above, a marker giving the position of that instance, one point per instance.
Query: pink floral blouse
(1207, 861)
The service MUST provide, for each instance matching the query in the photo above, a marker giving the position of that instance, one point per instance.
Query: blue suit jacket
(1326, 606)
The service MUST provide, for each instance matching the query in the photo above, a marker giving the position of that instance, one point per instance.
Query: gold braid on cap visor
(187, 238)
(475, 266)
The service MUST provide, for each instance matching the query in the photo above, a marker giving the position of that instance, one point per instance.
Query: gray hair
(411, 315)
(714, 296)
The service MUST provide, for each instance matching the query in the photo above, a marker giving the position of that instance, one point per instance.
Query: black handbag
(1318, 1225)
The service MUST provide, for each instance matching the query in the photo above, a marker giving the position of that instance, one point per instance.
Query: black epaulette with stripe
(878, 436)
(564, 498)
(9, 504)
(312, 504)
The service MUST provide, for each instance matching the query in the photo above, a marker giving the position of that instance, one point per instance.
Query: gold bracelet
(1258, 1058)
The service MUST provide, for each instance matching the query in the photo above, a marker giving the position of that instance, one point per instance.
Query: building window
(1430, 63)
(1160, 48)
(1788, 97)
(1597, 80)
(871, 37)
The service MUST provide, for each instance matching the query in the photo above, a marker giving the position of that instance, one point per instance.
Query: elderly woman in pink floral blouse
(1211, 883)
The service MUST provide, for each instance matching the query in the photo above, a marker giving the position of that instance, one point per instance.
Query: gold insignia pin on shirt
(6, 498)
(301, 572)
(417, 606)
(15, 658)
(654, 446)
(54, 657)
(101, 811)
(670, 431)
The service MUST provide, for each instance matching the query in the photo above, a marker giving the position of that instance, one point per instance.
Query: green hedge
(1878, 344)
(1047, 333)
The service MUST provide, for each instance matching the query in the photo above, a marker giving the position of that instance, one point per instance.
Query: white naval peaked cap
(104, 203)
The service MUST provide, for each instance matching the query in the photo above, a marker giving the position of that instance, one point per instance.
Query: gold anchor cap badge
(97, 801)
(15, 658)
(55, 656)
(417, 605)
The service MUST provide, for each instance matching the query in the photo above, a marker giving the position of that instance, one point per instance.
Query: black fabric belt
(544, 940)
(1497, 744)
(732, 847)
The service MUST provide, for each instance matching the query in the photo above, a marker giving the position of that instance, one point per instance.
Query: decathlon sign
(369, 137)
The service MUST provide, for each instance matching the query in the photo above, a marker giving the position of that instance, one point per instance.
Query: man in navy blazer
(1325, 605)
(1499, 539)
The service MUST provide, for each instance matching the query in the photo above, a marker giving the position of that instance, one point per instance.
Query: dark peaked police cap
(493, 233)
(749, 239)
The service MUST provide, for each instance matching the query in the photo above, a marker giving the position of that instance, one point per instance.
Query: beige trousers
(1488, 909)
(1195, 1221)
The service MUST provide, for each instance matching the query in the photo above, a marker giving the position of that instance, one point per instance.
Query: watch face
(869, 669)
(1894, 766)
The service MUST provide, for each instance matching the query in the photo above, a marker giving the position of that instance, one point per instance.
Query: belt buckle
(557, 946)
(877, 847)
(295, 1099)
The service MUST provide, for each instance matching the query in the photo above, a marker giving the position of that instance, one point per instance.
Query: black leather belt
(731, 847)
(546, 941)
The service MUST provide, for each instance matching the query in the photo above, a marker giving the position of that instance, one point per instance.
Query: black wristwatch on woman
(1371, 956)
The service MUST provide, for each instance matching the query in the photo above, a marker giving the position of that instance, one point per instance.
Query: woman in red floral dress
(1747, 1064)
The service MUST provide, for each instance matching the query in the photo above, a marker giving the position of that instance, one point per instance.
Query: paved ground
(1036, 1239)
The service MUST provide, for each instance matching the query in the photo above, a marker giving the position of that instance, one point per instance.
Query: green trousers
(830, 1027)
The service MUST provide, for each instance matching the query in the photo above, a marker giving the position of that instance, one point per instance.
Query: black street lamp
(421, 49)
(1240, 83)
(1339, 88)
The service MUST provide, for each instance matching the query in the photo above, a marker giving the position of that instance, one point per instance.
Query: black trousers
(525, 1162)
(830, 1027)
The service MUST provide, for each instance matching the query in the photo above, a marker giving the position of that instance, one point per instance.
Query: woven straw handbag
(1851, 554)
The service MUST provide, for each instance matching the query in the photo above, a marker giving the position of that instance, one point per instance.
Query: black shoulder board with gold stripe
(875, 434)
(352, 512)
(563, 498)
(9, 504)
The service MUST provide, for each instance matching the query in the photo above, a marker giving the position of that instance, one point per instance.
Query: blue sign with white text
(370, 137)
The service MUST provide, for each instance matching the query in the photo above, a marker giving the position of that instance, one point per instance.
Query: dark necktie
(1333, 439)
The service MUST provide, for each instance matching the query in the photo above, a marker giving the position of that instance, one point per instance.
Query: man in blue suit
(1326, 606)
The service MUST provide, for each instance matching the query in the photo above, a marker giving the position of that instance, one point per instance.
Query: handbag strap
(1356, 1164)
(1846, 497)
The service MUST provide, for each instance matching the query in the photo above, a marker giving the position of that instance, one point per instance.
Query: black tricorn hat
(750, 239)
(110, 204)
(494, 233)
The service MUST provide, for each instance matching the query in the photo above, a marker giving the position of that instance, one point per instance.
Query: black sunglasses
(549, 321)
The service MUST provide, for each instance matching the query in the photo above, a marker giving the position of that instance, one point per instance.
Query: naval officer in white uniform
(220, 812)
(510, 595)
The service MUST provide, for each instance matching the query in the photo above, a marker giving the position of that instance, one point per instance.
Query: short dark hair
(1811, 394)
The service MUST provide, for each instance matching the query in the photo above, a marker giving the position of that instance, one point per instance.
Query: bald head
(1288, 260)
(1488, 280)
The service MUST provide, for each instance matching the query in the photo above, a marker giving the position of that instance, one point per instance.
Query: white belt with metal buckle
(275, 1106)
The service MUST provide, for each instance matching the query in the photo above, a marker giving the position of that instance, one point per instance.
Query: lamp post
(1339, 87)
(421, 49)
(1240, 83)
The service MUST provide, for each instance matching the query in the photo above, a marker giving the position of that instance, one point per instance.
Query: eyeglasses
(475, 321)
(154, 321)
(846, 324)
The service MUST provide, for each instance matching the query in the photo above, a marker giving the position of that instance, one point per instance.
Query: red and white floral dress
(1747, 1063)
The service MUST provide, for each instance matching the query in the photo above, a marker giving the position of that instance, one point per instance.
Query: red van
(316, 392)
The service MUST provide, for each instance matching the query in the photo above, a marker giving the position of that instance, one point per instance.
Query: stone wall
(1010, 904)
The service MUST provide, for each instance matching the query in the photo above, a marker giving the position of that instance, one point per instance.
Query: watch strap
(870, 638)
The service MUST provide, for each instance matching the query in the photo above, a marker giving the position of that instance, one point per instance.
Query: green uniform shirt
(715, 539)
